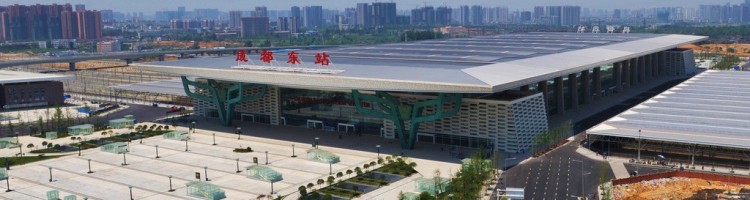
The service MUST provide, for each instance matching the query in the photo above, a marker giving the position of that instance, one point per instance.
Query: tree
(321, 181)
(358, 170)
(349, 172)
(366, 166)
(58, 117)
(339, 175)
(330, 180)
(44, 143)
(29, 146)
(40, 124)
(302, 191)
(380, 161)
(438, 183)
(425, 196)
(310, 185)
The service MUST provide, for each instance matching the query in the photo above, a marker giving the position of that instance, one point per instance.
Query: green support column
(391, 109)
(224, 99)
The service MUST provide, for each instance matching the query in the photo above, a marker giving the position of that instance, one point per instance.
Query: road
(557, 175)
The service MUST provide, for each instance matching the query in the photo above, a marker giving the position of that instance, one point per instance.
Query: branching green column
(223, 98)
(388, 107)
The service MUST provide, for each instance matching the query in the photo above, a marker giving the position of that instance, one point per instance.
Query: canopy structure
(53, 195)
(177, 135)
(116, 147)
(433, 185)
(8, 142)
(323, 156)
(263, 173)
(711, 109)
(50, 135)
(204, 190)
(83, 129)
(121, 123)
(3, 174)
(70, 197)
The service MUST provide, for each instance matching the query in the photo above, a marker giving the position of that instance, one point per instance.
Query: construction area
(682, 185)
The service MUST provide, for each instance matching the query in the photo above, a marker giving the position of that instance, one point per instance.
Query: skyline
(147, 6)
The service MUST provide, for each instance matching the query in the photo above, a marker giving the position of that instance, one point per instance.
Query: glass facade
(326, 110)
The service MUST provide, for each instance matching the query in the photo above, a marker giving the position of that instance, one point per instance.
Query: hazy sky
(149, 6)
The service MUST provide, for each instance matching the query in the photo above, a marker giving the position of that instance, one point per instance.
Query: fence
(684, 174)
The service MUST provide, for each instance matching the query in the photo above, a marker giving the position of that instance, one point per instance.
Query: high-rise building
(180, 12)
(539, 13)
(294, 24)
(39, 22)
(364, 14)
(69, 22)
(443, 15)
(662, 15)
(313, 16)
(350, 14)
(235, 18)
(525, 17)
(424, 16)
(571, 16)
(107, 17)
(464, 13)
(252, 26)
(554, 13)
(260, 11)
(617, 14)
(283, 24)
(477, 15)
(80, 7)
(89, 25)
(383, 14)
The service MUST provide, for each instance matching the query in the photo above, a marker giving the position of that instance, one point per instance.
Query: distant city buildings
(46, 22)
(108, 46)
(253, 26)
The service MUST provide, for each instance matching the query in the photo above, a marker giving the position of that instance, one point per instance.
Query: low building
(108, 46)
(24, 89)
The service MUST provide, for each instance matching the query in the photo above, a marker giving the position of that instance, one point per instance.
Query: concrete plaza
(149, 176)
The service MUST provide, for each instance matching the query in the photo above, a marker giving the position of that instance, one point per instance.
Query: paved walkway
(618, 168)
(391, 191)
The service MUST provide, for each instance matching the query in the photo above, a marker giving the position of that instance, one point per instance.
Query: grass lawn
(24, 160)
(339, 192)
(368, 181)
(46, 150)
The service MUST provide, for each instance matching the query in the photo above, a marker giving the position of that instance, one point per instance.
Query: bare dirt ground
(677, 188)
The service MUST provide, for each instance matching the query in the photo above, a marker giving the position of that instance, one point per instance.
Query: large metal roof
(170, 87)
(10, 77)
(485, 64)
(712, 108)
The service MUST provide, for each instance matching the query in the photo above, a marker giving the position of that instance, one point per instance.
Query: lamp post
(266, 157)
(141, 133)
(192, 126)
(79, 147)
(639, 146)
(7, 182)
(130, 187)
(186, 144)
(206, 172)
(330, 168)
(170, 184)
(293, 155)
(214, 139)
(238, 131)
(50, 174)
(378, 146)
(124, 161)
(90, 166)
(583, 178)
(20, 147)
(238, 165)
(157, 151)
(317, 142)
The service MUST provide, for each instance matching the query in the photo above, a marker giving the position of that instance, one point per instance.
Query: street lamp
(20, 147)
(50, 174)
(170, 184)
(214, 139)
(317, 142)
(192, 126)
(266, 157)
(238, 165)
(238, 131)
(80, 142)
(141, 133)
(90, 166)
(293, 155)
(639, 146)
(186, 144)
(206, 172)
(330, 168)
(378, 146)
(7, 182)
(157, 151)
(583, 178)
(124, 161)
(130, 187)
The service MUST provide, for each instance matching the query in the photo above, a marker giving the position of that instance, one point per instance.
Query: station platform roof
(485, 64)
(712, 108)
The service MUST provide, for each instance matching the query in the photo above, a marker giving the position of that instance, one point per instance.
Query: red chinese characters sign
(293, 58)
(266, 56)
(241, 56)
(322, 59)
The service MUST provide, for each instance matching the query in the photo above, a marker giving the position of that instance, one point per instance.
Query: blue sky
(149, 6)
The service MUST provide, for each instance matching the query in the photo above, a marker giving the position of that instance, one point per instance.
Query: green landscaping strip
(25, 160)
